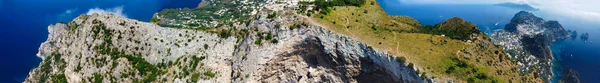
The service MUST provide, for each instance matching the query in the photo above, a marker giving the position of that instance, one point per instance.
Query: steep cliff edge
(270, 41)
(108, 48)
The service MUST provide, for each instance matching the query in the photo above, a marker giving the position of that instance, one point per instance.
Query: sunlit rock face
(527, 40)
(102, 48)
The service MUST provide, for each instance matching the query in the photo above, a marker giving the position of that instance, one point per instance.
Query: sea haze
(487, 16)
(580, 55)
(25, 25)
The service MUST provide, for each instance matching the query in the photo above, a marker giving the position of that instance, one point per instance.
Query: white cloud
(69, 11)
(116, 11)
(67, 15)
(584, 10)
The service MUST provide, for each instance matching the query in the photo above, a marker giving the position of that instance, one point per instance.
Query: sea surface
(24, 25)
(573, 53)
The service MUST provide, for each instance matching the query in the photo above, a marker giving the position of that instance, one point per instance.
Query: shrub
(323, 4)
(274, 41)
(272, 15)
(292, 27)
(98, 78)
(269, 36)
(195, 77)
(60, 78)
(374, 27)
(237, 74)
(205, 46)
(154, 20)
(277, 25)
(209, 74)
(258, 41)
(224, 34)
(401, 59)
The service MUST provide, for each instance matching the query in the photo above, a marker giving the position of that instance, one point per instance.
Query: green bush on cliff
(60, 78)
(195, 77)
(209, 74)
(323, 5)
(98, 78)
(455, 28)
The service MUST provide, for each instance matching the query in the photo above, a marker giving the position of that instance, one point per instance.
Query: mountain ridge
(276, 42)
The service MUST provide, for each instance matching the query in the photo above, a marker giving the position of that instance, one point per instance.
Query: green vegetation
(100, 27)
(209, 74)
(154, 20)
(272, 15)
(455, 28)
(60, 78)
(292, 27)
(401, 59)
(73, 26)
(98, 78)
(225, 33)
(195, 61)
(195, 77)
(323, 5)
(45, 69)
(274, 41)
(205, 46)
(258, 41)
(149, 71)
(269, 36)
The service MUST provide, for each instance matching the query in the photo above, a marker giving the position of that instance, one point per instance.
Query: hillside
(442, 58)
(272, 41)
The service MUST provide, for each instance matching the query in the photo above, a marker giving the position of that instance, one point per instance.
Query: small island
(585, 36)
(525, 7)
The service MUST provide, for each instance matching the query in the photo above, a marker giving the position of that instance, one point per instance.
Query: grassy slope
(428, 52)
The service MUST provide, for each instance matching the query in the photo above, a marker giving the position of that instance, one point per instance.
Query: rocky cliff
(527, 40)
(271, 41)
(109, 48)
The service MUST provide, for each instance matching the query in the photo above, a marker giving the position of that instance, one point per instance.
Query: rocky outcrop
(109, 48)
(585, 36)
(573, 34)
(322, 56)
(527, 40)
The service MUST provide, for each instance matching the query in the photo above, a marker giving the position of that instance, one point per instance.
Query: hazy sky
(585, 10)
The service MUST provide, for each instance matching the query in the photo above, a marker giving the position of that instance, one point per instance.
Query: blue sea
(582, 56)
(24, 25)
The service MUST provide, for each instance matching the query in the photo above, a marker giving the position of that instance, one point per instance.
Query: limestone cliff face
(108, 48)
